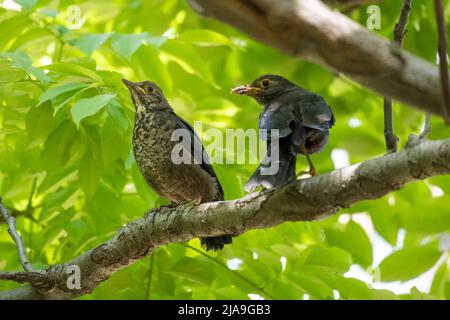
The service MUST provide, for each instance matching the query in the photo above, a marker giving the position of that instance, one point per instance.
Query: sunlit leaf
(88, 173)
(89, 106)
(59, 89)
(22, 61)
(352, 238)
(127, 44)
(88, 43)
(408, 263)
(204, 38)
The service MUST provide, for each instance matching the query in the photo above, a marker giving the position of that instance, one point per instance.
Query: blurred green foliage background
(67, 170)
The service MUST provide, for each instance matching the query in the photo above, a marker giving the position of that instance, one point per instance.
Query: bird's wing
(315, 112)
(276, 116)
(196, 149)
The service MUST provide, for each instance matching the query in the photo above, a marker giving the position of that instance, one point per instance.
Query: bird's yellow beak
(245, 90)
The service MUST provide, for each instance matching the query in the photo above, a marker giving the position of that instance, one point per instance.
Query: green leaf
(89, 106)
(58, 148)
(408, 263)
(39, 123)
(284, 288)
(190, 60)
(441, 282)
(384, 221)
(58, 89)
(22, 61)
(88, 43)
(30, 37)
(10, 74)
(127, 44)
(27, 4)
(54, 202)
(155, 41)
(89, 174)
(312, 284)
(349, 288)
(332, 257)
(194, 270)
(55, 180)
(117, 115)
(352, 238)
(415, 294)
(72, 68)
(113, 144)
(204, 37)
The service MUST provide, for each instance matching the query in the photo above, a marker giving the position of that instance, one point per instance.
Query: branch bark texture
(310, 30)
(308, 199)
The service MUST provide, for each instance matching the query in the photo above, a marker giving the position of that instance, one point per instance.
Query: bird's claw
(169, 206)
(310, 172)
(191, 204)
(414, 140)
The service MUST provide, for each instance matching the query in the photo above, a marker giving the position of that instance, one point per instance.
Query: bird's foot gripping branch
(303, 200)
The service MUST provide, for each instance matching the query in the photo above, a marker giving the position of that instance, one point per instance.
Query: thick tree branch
(311, 30)
(399, 35)
(308, 199)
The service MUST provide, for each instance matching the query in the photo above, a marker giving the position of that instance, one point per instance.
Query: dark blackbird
(192, 182)
(303, 119)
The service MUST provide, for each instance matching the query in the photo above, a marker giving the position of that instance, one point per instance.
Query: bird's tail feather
(285, 174)
(216, 243)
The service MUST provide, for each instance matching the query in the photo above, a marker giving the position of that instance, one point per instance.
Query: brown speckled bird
(193, 182)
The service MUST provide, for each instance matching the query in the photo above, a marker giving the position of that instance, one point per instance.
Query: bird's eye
(150, 89)
(265, 83)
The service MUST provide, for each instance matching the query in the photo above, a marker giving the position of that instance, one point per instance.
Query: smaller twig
(389, 135)
(11, 221)
(400, 27)
(426, 128)
(35, 278)
(442, 51)
(14, 213)
(29, 210)
(25, 213)
(399, 35)
(30, 197)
